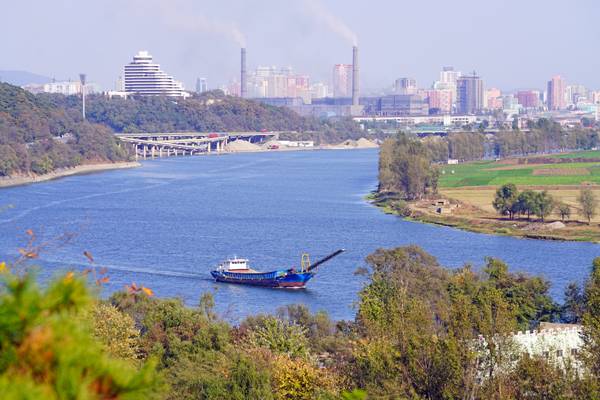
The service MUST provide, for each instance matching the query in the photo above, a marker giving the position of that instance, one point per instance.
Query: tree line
(421, 331)
(510, 202)
(544, 136)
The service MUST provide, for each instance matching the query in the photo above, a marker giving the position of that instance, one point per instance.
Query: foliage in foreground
(47, 349)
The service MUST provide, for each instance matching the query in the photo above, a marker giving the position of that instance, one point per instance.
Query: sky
(512, 44)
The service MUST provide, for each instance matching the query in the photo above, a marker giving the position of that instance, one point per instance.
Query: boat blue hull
(274, 279)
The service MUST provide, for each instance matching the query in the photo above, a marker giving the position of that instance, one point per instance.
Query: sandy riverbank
(60, 173)
(240, 146)
(470, 218)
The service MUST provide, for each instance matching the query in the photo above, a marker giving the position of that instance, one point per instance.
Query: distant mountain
(20, 78)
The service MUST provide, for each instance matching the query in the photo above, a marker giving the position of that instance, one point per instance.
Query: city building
(319, 90)
(493, 99)
(395, 105)
(510, 105)
(201, 85)
(556, 94)
(342, 80)
(274, 82)
(68, 88)
(439, 100)
(469, 92)
(144, 78)
(405, 86)
(528, 98)
(448, 79)
(576, 94)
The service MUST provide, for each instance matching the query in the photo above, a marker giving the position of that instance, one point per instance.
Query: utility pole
(82, 80)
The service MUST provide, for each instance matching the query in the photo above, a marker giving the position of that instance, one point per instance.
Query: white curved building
(145, 78)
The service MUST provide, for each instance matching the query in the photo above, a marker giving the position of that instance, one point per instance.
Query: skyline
(192, 39)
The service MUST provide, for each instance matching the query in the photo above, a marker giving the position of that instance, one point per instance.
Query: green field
(580, 154)
(496, 173)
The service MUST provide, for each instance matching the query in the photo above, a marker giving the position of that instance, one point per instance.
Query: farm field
(496, 173)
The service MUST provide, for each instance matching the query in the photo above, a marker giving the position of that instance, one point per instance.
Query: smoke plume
(177, 16)
(317, 10)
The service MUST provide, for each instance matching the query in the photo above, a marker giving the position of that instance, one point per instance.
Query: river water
(167, 224)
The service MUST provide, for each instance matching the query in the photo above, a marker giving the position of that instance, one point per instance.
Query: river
(166, 224)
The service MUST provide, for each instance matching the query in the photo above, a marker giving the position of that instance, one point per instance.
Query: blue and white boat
(237, 270)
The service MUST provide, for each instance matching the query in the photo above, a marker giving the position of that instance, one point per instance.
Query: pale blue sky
(511, 43)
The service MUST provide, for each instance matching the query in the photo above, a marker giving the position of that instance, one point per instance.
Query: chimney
(243, 87)
(354, 75)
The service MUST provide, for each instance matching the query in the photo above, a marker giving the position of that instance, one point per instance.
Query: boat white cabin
(235, 264)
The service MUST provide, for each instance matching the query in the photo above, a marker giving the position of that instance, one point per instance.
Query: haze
(512, 44)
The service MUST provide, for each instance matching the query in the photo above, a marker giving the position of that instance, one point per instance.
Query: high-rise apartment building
(342, 80)
(405, 86)
(145, 78)
(556, 93)
(528, 98)
(448, 79)
(576, 93)
(469, 92)
(492, 99)
(276, 82)
(201, 85)
(439, 101)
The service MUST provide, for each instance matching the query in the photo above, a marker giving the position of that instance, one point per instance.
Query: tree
(588, 202)
(564, 211)
(47, 349)
(279, 336)
(116, 331)
(405, 167)
(544, 204)
(505, 200)
(574, 304)
(527, 203)
(591, 321)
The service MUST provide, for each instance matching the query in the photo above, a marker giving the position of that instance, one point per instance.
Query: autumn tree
(47, 349)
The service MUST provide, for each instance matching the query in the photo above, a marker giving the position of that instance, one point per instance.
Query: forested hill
(208, 112)
(38, 136)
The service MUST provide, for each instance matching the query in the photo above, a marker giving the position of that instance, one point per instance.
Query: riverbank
(449, 212)
(240, 146)
(61, 173)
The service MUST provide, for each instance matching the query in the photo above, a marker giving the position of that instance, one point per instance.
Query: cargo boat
(237, 270)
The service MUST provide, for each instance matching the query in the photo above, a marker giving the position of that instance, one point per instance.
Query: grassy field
(496, 173)
(482, 198)
(474, 185)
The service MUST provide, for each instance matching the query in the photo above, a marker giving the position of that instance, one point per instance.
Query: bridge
(162, 144)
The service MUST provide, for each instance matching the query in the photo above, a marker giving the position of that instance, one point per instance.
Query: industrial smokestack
(355, 75)
(243, 88)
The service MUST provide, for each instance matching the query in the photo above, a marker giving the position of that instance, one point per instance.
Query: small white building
(557, 342)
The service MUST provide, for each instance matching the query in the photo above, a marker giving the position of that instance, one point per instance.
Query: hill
(209, 112)
(20, 78)
(37, 136)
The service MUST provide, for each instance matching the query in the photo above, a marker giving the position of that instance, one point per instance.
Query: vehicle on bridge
(237, 270)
